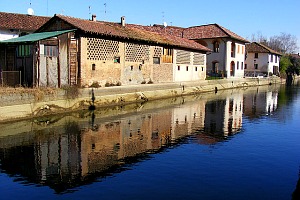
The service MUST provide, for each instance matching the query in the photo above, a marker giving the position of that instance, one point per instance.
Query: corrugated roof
(21, 21)
(35, 37)
(256, 47)
(128, 32)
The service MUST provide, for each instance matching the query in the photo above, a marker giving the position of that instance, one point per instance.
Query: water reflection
(66, 152)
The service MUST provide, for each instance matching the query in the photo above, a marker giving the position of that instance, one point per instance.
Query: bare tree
(284, 43)
(258, 37)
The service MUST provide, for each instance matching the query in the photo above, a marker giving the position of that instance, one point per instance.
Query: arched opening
(215, 67)
(232, 68)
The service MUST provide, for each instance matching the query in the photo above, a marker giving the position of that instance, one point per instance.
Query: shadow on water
(67, 152)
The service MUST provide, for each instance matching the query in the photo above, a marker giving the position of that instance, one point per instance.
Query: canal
(235, 144)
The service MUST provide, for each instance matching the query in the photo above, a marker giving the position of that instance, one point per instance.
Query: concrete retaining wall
(16, 106)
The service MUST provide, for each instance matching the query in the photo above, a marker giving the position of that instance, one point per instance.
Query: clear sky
(268, 17)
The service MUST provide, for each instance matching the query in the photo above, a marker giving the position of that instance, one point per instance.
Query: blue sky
(268, 17)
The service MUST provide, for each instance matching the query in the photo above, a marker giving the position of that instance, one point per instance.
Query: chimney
(123, 21)
(94, 18)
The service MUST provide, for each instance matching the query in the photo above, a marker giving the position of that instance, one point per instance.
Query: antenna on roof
(165, 24)
(30, 10)
(105, 10)
(89, 12)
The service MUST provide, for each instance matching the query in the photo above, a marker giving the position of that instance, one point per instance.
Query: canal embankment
(16, 104)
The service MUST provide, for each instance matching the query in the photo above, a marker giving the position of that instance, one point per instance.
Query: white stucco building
(228, 49)
(261, 60)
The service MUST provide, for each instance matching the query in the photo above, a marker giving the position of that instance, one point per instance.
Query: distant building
(261, 60)
(14, 25)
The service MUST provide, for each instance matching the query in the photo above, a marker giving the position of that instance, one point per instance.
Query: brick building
(92, 52)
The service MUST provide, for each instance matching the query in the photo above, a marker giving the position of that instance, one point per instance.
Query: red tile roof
(211, 31)
(21, 21)
(196, 32)
(256, 47)
(297, 56)
(130, 32)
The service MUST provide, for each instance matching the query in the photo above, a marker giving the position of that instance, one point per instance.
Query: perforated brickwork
(100, 49)
(183, 57)
(198, 59)
(136, 52)
(157, 52)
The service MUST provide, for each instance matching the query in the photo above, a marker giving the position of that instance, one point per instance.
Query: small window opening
(156, 60)
(93, 67)
(178, 68)
(131, 67)
(117, 59)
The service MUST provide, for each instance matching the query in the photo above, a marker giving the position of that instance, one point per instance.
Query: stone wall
(19, 105)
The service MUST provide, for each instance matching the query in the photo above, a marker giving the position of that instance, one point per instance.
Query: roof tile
(21, 21)
(134, 32)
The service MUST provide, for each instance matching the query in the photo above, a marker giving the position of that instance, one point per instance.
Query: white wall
(264, 62)
(188, 72)
(239, 57)
(5, 35)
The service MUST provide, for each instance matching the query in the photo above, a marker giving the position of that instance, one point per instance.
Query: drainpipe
(58, 64)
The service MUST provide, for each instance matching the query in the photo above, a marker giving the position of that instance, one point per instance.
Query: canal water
(235, 144)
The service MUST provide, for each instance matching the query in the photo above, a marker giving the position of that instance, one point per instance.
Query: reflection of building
(224, 117)
(187, 118)
(271, 99)
(260, 103)
(66, 156)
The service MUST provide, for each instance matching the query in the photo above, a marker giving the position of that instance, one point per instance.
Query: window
(117, 59)
(232, 49)
(196, 68)
(51, 51)
(156, 60)
(271, 58)
(243, 49)
(255, 66)
(216, 47)
(168, 52)
(256, 55)
(93, 67)
(24, 50)
(202, 68)
(238, 50)
(167, 55)
(245, 66)
(237, 65)
(187, 68)
(276, 59)
(242, 66)
(178, 68)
